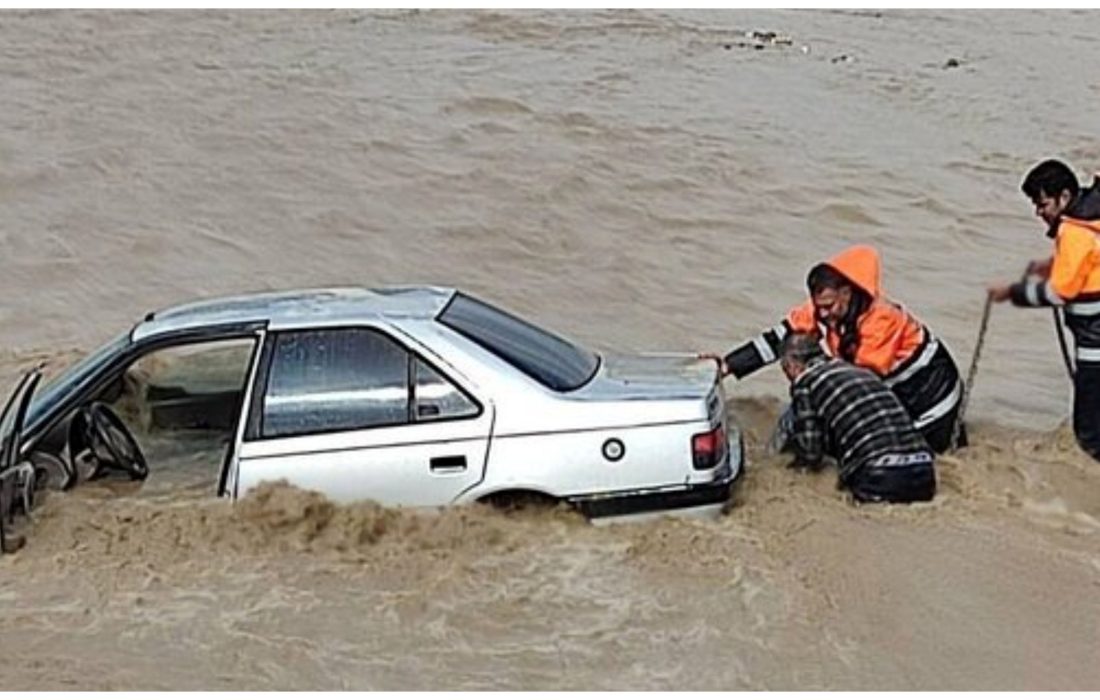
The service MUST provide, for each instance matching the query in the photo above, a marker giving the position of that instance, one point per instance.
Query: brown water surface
(636, 180)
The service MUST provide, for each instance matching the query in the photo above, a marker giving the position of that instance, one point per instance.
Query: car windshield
(66, 382)
(550, 360)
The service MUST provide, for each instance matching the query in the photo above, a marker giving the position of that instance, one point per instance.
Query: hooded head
(844, 287)
(858, 265)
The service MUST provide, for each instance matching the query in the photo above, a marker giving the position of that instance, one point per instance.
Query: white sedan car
(415, 396)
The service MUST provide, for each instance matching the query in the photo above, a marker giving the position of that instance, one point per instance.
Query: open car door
(17, 479)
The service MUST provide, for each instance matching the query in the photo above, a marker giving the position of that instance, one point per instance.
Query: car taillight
(707, 449)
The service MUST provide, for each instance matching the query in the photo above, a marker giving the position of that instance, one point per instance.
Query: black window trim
(254, 429)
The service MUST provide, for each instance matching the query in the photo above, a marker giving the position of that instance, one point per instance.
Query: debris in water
(774, 38)
(952, 63)
(760, 40)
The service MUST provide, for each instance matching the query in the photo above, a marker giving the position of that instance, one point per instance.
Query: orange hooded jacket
(1075, 269)
(888, 334)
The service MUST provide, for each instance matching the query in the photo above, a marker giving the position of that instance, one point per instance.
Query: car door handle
(451, 463)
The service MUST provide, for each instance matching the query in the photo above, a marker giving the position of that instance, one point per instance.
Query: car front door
(354, 414)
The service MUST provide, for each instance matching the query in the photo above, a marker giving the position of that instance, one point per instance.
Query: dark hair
(801, 348)
(825, 277)
(1050, 178)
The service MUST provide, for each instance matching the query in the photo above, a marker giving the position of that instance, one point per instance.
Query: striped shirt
(847, 412)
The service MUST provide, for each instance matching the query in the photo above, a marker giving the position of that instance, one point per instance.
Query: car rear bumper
(692, 496)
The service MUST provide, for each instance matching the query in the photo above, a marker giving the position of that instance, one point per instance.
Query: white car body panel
(572, 464)
(389, 465)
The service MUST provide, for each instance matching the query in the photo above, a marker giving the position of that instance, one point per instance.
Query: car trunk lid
(651, 377)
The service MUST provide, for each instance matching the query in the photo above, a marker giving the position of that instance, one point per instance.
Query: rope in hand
(969, 385)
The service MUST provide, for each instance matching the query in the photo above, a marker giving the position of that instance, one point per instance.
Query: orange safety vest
(1075, 270)
(888, 334)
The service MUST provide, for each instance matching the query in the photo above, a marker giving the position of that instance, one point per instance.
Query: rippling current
(638, 180)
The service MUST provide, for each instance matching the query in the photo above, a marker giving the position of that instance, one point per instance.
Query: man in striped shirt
(846, 412)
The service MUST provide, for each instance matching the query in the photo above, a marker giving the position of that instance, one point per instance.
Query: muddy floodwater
(636, 180)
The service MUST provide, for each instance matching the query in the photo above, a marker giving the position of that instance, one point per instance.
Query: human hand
(723, 368)
(999, 292)
(1040, 267)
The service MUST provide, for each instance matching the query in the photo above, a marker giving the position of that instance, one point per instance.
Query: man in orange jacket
(848, 309)
(1070, 278)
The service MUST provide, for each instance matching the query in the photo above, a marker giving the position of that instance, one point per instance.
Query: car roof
(299, 307)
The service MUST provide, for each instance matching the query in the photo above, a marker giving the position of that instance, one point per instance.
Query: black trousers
(1086, 408)
(894, 484)
(938, 432)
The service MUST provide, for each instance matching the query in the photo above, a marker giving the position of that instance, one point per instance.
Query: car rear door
(353, 413)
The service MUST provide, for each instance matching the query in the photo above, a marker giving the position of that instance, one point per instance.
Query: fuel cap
(613, 450)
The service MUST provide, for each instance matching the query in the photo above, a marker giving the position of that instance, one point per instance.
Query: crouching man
(846, 412)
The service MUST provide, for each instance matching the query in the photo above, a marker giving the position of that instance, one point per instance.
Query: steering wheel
(112, 443)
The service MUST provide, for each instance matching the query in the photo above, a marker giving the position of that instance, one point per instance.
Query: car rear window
(552, 361)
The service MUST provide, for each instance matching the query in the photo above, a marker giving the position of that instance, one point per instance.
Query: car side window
(436, 398)
(335, 379)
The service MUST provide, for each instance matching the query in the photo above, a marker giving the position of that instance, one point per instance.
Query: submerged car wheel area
(408, 396)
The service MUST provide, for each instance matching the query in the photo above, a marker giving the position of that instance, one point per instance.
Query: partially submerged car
(413, 396)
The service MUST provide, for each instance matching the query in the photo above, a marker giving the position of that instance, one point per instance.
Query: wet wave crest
(274, 517)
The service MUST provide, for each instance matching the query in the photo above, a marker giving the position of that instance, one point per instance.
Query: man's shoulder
(835, 372)
(886, 314)
(834, 367)
(1084, 230)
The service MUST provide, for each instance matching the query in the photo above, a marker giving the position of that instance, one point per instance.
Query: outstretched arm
(1061, 278)
(756, 353)
(764, 349)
